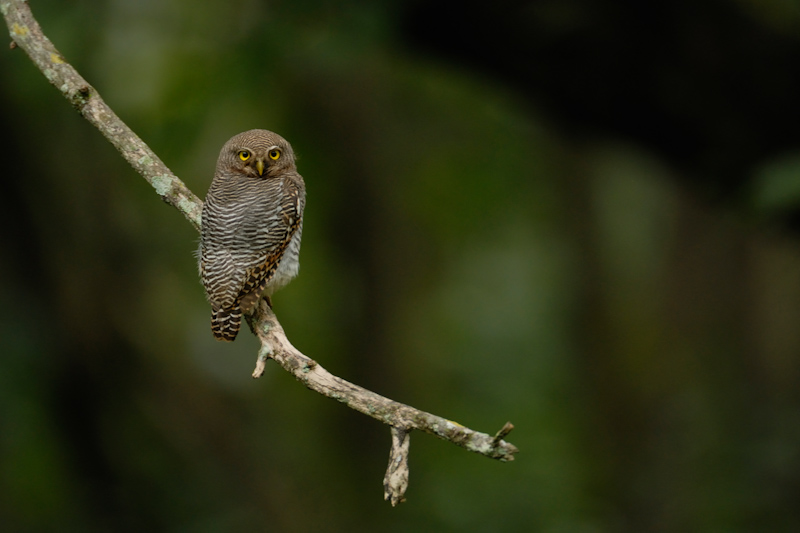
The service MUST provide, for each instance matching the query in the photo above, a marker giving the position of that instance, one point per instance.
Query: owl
(251, 226)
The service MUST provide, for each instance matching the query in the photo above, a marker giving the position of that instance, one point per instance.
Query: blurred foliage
(575, 215)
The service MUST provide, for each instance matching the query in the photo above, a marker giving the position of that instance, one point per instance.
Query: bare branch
(505, 430)
(395, 482)
(26, 34)
(275, 345)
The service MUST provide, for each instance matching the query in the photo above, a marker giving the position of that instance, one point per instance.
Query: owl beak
(260, 167)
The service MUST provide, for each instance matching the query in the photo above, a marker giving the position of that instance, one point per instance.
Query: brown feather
(252, 224)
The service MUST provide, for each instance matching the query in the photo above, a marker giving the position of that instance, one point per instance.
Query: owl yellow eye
(274, 154)
(244, 155)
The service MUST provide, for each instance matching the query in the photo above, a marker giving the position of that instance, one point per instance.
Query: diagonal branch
(275, 345)
(26, 34)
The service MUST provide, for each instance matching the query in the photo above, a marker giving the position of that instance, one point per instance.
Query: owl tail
(225, 323)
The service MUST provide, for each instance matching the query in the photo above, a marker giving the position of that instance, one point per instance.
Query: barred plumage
(252, 224)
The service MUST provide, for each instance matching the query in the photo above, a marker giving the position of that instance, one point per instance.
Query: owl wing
(278, 233)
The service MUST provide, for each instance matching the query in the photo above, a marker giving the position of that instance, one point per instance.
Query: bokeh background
(577, 215)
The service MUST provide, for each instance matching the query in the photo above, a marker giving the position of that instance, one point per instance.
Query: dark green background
(577, 215)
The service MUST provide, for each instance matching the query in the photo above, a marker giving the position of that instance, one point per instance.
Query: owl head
(259, 154)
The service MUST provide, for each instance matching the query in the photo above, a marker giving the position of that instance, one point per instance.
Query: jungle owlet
(252, 222)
